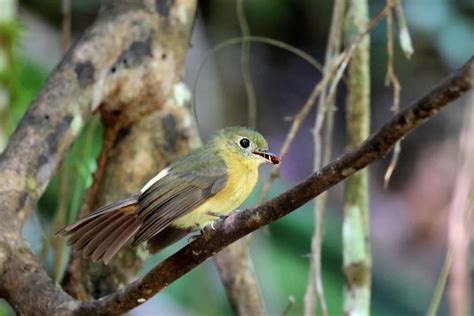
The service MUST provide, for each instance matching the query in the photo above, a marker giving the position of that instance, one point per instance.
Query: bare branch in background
(441, 284)
(339, 66)
(257, 39)
(59, 219)
(245, 66)
(391, 77)
(403, 32)
(239, 280)
(326, 108)
(66, 24)
(357, 257)
(461, 223)
(234, 263)
(242, 223)
(289, 305)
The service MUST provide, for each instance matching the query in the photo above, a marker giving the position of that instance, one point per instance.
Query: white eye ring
(244, 142)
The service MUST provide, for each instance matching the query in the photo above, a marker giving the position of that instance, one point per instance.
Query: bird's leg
(219, 218)
(218, 215)
(202, 232)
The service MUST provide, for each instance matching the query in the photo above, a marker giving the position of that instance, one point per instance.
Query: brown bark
(146, 127)
(239, 280)
(127, 65)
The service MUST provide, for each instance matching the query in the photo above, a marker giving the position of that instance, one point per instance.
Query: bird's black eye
(244, 142)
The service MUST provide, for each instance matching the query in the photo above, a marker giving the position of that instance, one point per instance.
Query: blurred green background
(408, 219)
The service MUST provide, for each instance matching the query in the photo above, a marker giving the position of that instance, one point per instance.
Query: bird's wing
(174, 196)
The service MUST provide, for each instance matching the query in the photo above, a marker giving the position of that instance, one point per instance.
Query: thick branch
(234, 263)
(127, 65)
(136, 148)
(240, 282)
(242, 223)
(28, 288)
(357, 259)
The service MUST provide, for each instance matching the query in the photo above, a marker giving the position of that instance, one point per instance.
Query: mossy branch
(357, 259)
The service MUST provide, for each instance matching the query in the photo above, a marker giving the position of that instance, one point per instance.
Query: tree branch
(127, 65)
(234, 263)
(325, 112)
(357, 257)
(242, 223)
(150, 141)
(239, 280)
(461, 222)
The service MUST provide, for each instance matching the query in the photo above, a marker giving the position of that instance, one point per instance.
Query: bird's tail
(101, 234)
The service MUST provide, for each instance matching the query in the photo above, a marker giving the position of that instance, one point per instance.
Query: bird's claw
(219, 218)
(193, 237)
(218, 215)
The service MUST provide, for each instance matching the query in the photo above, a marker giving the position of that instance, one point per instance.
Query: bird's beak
(268, 155)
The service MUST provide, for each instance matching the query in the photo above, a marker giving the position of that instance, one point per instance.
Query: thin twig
(242, 256)
(245, 66)
(110, 135)
(63, 191)
(64, 188)
(245, 278)
(460, 222)
(72, 283)
(393, 164)
(66, 24)
(79, 183)
(441, 284)
(309, 294)
(238, 40)
(289, 305)
(403, 32)
(59, 220)
(391, 78)
(326, 108)
(339, 65)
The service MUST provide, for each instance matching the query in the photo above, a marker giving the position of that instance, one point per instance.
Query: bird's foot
(219, 218)
(192, 238)
(218, 215)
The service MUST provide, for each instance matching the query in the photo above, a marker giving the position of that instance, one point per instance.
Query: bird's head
(245, 143)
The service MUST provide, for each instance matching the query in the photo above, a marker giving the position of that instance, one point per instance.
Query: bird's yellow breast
(242, 175)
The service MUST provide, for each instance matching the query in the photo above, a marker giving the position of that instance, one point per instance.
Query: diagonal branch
(242, 223)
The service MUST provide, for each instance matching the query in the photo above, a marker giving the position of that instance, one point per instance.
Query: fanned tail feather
(103, 233)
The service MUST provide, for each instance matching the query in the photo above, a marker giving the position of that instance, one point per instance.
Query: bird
(195, 190)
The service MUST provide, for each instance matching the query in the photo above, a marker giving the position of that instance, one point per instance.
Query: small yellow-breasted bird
(209, 182)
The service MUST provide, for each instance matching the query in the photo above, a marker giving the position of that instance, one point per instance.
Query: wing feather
(174, 196)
